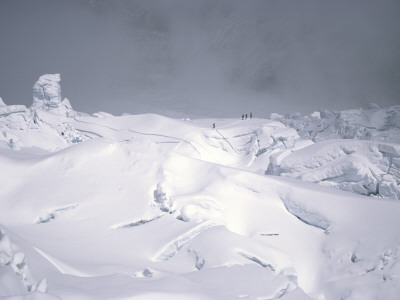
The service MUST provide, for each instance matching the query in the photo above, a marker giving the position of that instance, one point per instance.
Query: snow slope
(148, 207)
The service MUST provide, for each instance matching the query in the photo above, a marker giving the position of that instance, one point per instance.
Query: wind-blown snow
(149, 207)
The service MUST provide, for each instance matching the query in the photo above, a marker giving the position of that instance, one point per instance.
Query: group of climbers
(244, 117)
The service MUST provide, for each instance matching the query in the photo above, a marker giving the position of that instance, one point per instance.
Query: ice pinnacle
(47, 91)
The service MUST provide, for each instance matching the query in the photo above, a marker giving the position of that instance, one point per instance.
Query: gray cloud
(217, 57)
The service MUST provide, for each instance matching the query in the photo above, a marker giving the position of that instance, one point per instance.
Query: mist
(206, 57)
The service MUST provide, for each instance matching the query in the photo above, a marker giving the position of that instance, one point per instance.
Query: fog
(203, 57)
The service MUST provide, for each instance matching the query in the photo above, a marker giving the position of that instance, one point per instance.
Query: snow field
(148, 207)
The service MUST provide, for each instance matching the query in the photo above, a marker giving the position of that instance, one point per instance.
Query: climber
(251, 115)
(213, 125)
(245, 116)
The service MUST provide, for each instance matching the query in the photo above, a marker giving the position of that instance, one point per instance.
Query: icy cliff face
(361, 167)
(372, 123)
(356, 150)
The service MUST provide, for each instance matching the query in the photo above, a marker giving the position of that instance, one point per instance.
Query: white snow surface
(149, 207)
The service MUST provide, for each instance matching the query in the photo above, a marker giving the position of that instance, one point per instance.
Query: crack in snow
(173, 247)
(226, 140)
(305, 216)
(54, 213)
(257, 261)
(269, 234)
(135, 223)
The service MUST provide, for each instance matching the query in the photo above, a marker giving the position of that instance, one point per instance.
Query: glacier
(354, 150)
(149, 207)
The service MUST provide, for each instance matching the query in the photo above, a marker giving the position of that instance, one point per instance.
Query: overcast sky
(214, 57)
